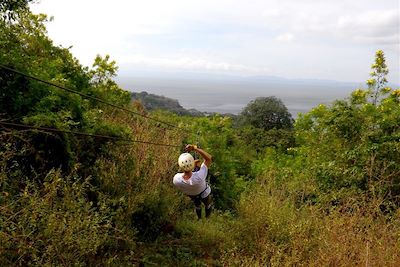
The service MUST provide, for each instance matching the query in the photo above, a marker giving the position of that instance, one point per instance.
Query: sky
(306, 39)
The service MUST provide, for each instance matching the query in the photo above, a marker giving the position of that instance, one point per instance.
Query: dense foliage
(9, 8)
(266, 113)
(322, 192)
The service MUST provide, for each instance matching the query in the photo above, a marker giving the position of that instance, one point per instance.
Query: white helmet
(186, 162)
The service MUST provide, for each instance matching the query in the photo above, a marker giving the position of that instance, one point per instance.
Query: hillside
(86, 175)
(154, 102)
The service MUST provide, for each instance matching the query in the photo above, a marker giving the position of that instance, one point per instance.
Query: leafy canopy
(266, 113)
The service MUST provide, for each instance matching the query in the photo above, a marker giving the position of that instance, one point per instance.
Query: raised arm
(207, 157)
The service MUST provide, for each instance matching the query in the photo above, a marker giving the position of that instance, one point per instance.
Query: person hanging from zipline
(193, 183)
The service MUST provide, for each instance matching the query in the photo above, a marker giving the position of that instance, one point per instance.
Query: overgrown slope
(324, 193)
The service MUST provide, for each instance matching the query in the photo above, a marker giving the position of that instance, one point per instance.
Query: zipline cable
(114, 138)
(85, 95)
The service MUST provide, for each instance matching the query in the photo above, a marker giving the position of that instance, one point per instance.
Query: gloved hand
(190, 148)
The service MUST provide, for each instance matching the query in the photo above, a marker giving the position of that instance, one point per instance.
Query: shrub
(52, 225)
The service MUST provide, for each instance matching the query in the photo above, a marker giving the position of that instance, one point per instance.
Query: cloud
(271, 12)
(333, 21)
(381, 27)
(231, 35)
(372, 19)
(286, 37)
(191, 63)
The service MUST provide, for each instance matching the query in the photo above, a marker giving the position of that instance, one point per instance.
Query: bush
(152, 217)
(53, 225)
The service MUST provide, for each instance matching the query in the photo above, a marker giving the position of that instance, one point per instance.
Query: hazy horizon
(229, 94)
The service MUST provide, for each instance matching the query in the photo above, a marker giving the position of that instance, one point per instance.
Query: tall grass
(94, 214)
(271, 231)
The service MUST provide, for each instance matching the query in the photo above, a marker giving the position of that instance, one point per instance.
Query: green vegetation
(266, 122)
(266, 113)
(155, 102)
(322, 192)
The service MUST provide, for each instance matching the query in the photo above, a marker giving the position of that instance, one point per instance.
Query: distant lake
(232, 94)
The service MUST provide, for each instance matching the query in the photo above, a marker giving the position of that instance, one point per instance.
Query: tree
(378, 81)
(103, 84)
(266, 113)
(353, 144)
(9, 8)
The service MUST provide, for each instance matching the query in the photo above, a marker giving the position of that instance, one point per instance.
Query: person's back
(194, 184)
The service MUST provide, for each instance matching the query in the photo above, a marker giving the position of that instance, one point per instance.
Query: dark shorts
(198, 199)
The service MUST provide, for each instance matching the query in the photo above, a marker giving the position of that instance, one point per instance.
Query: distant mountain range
(207, 77)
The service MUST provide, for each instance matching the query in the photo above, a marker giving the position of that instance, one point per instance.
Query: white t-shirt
(195, 184)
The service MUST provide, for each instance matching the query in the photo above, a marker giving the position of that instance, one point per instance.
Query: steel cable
(86, 96)
(113, 138)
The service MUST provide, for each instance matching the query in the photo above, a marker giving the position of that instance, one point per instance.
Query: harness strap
(199, 195)
(203, 190)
